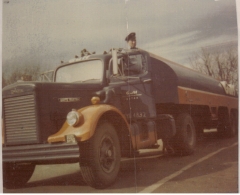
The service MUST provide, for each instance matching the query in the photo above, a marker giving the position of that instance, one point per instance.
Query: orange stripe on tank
(198, 97)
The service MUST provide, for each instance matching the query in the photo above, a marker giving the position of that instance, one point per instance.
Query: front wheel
(16, 175)
(100, 157)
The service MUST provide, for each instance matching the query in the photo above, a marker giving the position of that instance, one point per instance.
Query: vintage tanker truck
(101, 108)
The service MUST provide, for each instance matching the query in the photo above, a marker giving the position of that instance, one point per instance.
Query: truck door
(137, 97)
(134, 88)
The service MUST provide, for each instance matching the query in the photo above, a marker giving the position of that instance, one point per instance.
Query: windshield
(87, 71)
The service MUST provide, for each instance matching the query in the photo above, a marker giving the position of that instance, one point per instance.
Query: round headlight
(73, 118)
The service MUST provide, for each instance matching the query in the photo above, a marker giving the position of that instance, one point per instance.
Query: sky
(44, 32)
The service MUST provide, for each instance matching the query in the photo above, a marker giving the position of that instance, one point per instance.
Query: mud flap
(166, 130)
(166, 126)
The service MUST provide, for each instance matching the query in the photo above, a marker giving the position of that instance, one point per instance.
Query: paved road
(212, 169)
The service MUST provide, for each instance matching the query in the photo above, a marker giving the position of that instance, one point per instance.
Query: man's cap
(130, 36)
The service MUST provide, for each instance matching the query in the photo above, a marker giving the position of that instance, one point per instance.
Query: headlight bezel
(73, 118)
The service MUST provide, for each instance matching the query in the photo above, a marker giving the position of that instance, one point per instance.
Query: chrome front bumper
(41, 153)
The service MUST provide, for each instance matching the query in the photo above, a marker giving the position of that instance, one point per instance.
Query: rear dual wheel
(228, 128)
(100, 157)
(184, 142)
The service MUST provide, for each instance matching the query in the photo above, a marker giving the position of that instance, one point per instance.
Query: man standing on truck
(135, 66)
(131, 40)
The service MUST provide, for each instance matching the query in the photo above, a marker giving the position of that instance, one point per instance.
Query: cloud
(180, 48)
(178, 39)
(158, 19)
(192, 27)
(47, 31)
(52, 31)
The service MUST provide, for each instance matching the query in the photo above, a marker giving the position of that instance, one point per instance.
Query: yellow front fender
(84, 131)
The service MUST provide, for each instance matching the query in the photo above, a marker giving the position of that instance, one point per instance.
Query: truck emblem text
(14, 91)
(69, 99)
(135, 92)
(133, 95)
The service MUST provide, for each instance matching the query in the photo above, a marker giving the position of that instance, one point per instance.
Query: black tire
(100, 157)
(221, 130)
(232, 131)
(199, 131)
(16, 175)
(184, 142)
(228, 128)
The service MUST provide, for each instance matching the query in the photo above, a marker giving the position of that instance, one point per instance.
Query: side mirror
(115, 63)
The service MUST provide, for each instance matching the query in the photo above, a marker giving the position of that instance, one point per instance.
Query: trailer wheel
(199, 131)
(233, 129)
(100, 157)
(228, 127)
(184, 141)
(16, 175)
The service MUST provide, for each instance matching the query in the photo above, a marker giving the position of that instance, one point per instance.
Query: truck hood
(25, 87)
(60, 97)
(51, 102)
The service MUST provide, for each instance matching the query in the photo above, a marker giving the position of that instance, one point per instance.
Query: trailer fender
(86, 128)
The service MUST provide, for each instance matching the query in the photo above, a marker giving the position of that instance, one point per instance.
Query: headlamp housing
(73, 118)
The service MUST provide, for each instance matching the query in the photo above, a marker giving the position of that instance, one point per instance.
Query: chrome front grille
(20, 120)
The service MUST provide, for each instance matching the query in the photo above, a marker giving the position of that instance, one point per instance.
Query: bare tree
(221, 65)
(14, 73)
